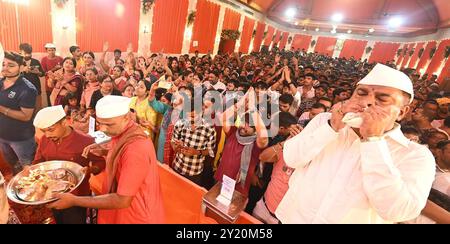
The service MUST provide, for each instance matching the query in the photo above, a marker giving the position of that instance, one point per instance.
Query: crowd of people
(271, 120)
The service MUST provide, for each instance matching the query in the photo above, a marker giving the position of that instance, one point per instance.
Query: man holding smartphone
(32, 71)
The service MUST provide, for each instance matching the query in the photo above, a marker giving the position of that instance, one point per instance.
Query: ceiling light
(296, 23)
(395, 22)
(371, 30)
(290, 13)
(333, 31)
(349, 31)
(337, 17)
(317, 29)
(304, 29)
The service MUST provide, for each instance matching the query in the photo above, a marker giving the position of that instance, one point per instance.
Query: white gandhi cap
(49, 116)
(382, 75)
(112, 106)
(50, 45)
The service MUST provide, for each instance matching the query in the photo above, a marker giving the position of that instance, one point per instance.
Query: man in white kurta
(370, 173)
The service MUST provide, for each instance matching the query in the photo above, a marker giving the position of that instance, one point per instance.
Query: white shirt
(310, 94)
(339, 179)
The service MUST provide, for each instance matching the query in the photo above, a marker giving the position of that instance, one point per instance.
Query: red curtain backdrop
(231, 20)
(205, 26)
(415, 56)
(35, 25)
(301, 42)
(353, 48)
(284, 40)
(383, 52)
(438, 57)
(246, 35)
(169, 22)
(325, 45)
(268, 39)
(257, 41)
(445, 72)
(425, 56)
(113, 21)
(407, 57)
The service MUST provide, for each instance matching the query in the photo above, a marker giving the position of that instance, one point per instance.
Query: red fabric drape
(415, 56)
(169, 22)
(231, 20)
(269, 35)
(113, 21)
(205, 26)
(438, 57)
(445, 72)
(301, 42)
(276, 41)
(284, 40)
(35, 25)
(353, 48)
(383, 52)
(407, 57)
(400, 57)
(325, 45)
(425, 56)
(246, 36)
(257, 41)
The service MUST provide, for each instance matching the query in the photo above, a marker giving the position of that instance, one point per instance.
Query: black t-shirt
(21, 95)
(34, 78)
(98, 95)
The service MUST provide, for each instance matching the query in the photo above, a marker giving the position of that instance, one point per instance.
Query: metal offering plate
(38, 185)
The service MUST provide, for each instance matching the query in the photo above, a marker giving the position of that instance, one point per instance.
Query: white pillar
(188, 30)
(64, 27)
(219, 29)
(311, 49)
(367, 55)
(241, 27)
(145, 32)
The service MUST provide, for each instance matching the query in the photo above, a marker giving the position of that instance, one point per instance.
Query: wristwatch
(372, 138)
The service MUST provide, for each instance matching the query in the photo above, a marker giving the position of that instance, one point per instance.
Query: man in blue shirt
(17, 105)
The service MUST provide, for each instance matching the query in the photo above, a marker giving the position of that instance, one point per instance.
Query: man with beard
(61, 142)
(32, 70)
(17, 105)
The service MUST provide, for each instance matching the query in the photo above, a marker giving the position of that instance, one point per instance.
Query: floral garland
(447, 52)
(290, 40)
(313, 43)
(432, 52)
(230, 34)
(368, 50)
(265, 35)
(399, 52)
(421, 52)
(60, 3)
(147, 5)
(411, 52)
